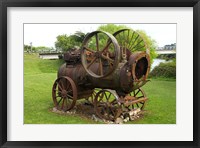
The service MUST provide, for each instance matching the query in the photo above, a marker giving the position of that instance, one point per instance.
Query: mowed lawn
(39, 76)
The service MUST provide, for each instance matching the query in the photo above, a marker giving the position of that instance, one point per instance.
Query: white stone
(122, 116)
(132, 118)
(119, 120)
(134, 112)
(125, 120)
(54, 109)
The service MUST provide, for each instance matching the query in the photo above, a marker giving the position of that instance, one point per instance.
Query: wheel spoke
(140, 47)
(88, 49)
(59, 100)
(59, 86)
(91, 62)
(69, 96)
(107, 58)
(109, 95)
(131, 40)
(134, 41)
(140, 97)
(57, 90)
(106, 97)
(97, 41)
(133, 106)
(128, 37)
(114, 101)
(100, 104)
(113, 113)
(68, 85)
(124, 40)
(107, 109)
(100, 67)
(137, 92)
(62, 85)
(138, 43)
(69, 91)
(106, 47)
(68, 103)
(101, 96)
(63, 103)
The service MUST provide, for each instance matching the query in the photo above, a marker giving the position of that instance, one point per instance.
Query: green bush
(166, 57)
(166, 70)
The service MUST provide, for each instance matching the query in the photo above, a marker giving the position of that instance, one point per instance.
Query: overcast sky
(45, 34)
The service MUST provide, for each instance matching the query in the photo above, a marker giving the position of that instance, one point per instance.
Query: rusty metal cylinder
(122, 78)
(116, 80)
(76, 72)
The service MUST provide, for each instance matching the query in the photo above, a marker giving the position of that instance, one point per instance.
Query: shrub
(166, 70)
(167, 57)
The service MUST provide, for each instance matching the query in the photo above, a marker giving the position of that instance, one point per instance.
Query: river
(156, 62)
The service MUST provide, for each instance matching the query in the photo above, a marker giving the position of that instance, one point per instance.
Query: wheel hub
(64, 93)
(98, 54)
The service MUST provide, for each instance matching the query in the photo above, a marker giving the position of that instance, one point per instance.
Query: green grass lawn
(39, 76)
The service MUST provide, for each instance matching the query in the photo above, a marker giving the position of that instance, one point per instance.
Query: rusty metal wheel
(131, 40)
(106, 105)
(64, 93)
(139, 99)
(100, 54)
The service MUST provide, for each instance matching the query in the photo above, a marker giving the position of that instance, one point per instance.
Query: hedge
(166, 70)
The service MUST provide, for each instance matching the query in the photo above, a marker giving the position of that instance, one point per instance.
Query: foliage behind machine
(118, 65)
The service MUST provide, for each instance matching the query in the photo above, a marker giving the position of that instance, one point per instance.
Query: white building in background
(170, 47)
(49, 56)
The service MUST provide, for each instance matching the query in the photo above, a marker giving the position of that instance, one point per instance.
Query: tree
(27, 47)
(79, 36)
(111, 28)
(37, 49)
(65, 42)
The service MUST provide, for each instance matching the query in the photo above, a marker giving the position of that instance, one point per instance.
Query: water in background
(156, 62)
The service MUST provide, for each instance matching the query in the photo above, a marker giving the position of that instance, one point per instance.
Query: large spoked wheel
(106, 105)
(100, 54)
(140, 99)
(64, 93)
(131, 40)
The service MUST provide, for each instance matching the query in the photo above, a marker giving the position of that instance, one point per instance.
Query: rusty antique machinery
(115, 65)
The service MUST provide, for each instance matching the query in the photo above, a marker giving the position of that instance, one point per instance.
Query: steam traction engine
(116, 65)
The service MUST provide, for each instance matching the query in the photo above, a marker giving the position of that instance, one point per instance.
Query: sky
(45, 34)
